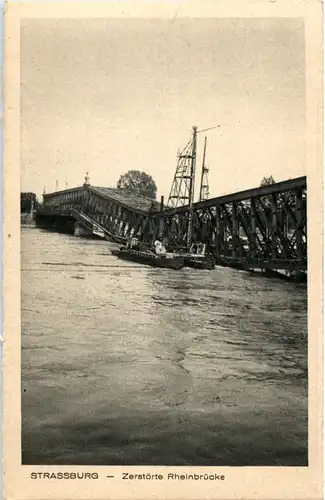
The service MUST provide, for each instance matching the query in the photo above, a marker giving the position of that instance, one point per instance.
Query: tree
(267, 181)
(28, 201)
(139, 183)
(288, 197)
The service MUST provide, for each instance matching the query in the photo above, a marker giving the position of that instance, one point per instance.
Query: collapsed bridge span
(263, 227)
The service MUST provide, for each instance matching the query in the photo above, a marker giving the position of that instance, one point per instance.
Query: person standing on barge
(159, 248)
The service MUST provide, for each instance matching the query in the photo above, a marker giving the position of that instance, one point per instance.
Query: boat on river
(197, 258)
(199, 261)
(146, 257)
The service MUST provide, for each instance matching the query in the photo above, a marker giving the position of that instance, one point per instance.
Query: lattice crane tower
(204, 187)
(182, 190)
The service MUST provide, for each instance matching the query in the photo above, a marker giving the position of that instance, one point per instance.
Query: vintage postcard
(163, 250)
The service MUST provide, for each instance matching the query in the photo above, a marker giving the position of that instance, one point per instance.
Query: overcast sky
(106, 96)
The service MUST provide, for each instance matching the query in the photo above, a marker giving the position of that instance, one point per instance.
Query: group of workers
(160, 249)
(134, 244)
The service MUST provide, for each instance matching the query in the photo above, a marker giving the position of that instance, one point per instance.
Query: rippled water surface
(126, 364)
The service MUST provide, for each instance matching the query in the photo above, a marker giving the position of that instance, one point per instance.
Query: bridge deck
(127, 198)
(123, 197)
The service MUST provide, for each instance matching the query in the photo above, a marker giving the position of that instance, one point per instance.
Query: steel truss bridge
(264, 227)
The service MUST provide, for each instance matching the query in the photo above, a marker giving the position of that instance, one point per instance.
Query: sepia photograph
(163, 207)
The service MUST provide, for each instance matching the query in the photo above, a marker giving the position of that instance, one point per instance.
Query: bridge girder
(263, 227)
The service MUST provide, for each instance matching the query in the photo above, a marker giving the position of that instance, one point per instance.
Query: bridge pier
(53, 222)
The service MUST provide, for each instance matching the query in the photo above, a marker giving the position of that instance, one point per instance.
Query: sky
(108, 95)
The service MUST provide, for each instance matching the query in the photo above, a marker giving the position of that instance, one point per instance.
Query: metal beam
(284, 186)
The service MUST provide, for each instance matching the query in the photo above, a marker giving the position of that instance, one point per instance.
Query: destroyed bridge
(264, 227)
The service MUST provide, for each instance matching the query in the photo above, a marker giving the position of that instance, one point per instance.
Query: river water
(124, 364)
